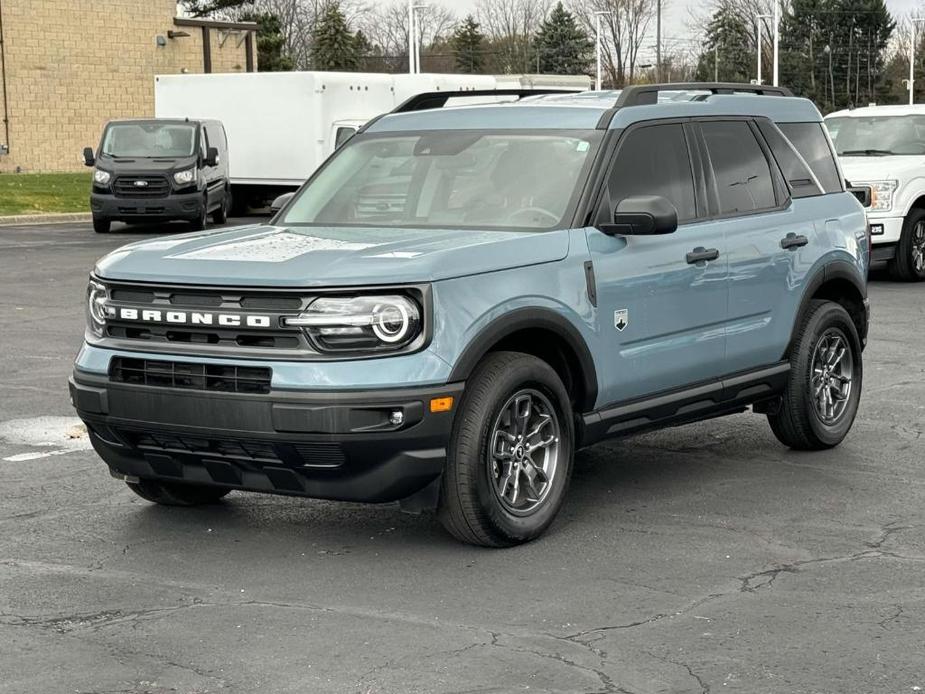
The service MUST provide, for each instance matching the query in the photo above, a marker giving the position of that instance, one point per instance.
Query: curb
(60, 218)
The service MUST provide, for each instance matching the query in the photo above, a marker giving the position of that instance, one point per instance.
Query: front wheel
(200, 222)
(909, 263)
(173, 494)
(510, 456)
(220, 216)
(101, 225)
(824, 390)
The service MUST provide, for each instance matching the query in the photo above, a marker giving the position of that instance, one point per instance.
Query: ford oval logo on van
(141, 184)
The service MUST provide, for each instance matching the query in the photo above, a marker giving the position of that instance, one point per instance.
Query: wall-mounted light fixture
(171, 34)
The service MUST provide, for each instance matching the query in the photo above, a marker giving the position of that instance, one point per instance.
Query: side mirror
(211, 157)
(89, 158)
(642, 215)
(280, 202)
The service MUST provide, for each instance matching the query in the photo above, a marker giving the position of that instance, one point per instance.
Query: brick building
(68, 66)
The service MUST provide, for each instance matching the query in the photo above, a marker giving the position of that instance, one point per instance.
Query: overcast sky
(676, 18)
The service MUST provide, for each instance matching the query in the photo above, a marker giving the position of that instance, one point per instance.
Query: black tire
(470, 505)
(909, 263)
(172, 494)
(202, 220)
(220, 216)
(799, 424)
(101, 225)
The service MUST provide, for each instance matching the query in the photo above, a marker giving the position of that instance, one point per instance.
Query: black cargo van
(160, 169)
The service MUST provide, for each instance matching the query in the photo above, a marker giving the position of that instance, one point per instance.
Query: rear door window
(654, 160)
(801, 180)
(811, 142)
(743, 177)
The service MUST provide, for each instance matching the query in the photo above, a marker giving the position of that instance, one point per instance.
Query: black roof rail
(646, 94)
(428, 100)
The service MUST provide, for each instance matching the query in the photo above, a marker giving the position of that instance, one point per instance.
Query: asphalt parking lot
(702, 559)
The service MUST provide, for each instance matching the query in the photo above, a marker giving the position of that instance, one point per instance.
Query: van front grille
(141, 186)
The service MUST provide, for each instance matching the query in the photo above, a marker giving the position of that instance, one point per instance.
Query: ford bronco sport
(463, 297)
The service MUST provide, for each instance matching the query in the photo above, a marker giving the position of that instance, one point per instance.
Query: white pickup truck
(883, 147)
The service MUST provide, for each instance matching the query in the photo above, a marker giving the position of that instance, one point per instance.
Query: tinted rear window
(800, 180)
(811, 142)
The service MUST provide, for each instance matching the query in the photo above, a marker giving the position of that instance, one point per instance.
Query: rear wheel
(510, 454)
(101, 225)
(824, 390)
(909, 263)
(172, 494)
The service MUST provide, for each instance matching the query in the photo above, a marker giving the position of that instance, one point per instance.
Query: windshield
(149, 140)
(449, 179)
(873, 136)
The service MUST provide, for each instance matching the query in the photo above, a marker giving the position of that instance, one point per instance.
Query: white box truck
(281, 126)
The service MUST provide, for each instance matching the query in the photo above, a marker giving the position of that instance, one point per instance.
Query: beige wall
(71, 65)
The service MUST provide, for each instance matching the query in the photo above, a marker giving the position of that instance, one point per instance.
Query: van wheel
(510, 455)
(200, 222)
(909, 263)
(824, 390)
(101, 225)
(171, 494)
(220, 216)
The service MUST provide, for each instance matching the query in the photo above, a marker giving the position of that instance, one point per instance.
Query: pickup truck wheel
(101, 225)
(170, 494)
(510, 455)
(220, 216)
(824, 390)
(909, 263)
(200, 222)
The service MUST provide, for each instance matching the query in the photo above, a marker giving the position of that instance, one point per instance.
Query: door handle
(791, 241)
(701, 254)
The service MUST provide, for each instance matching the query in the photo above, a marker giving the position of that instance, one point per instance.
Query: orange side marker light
(441, 404)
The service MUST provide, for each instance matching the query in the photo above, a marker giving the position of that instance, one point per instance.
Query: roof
(593, 109)
(902, 110)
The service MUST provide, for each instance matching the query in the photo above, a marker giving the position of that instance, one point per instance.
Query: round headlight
(101, 177)
(97, 296)
(392, 321)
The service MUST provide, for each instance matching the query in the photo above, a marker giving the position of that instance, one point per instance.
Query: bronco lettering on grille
(230, 320)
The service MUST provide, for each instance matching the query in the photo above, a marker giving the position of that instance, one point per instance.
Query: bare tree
(510, 26)
(624, 29)
(387, 28)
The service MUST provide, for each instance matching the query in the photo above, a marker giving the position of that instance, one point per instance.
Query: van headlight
(373, 323)
(97, 307)
(881, 195)
(185, 177)
(101, 177)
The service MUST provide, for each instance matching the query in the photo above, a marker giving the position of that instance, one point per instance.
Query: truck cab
(159, 170)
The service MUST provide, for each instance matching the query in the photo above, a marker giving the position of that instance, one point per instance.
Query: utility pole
(658, 41)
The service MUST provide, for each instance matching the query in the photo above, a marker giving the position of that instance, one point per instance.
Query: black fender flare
(531, 318)
(833, 270)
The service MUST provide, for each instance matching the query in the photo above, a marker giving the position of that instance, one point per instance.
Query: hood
(144, 165)
(899, 167)
(271, 256)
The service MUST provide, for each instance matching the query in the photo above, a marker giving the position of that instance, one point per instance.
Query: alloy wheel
(831, 377)
(523, 457)
(918, 247)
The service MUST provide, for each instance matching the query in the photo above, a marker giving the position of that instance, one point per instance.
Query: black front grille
(141, 186)
(173, 374)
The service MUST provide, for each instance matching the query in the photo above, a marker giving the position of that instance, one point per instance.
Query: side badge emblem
(621, 319)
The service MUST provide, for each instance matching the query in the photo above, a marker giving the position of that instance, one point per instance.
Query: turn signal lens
(441, 404)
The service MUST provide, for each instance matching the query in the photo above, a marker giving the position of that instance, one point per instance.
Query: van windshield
(527, 180)
(151, 140)
(877, 136)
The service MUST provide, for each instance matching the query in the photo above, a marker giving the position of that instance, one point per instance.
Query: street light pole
(415, 27)
(410, 37)
(658, 41)
(597, 46)
(758, 19)
(776, 39)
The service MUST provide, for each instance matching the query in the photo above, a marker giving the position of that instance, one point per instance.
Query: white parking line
(21, 457)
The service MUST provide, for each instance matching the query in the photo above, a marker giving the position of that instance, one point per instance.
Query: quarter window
(654, 160)
(811, 142)
(742, 173)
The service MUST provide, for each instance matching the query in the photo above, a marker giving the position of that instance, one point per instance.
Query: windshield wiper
(866, 152)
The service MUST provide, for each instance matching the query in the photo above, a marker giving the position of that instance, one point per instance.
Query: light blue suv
(461, 298)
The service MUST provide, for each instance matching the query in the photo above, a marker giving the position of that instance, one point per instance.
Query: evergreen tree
(727, 51)
(562, 47)
(467, 44)
(206, 8)
(271, 43)
(333, 46)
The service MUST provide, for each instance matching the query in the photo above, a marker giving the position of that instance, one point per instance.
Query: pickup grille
(174, 374)
(155, 186)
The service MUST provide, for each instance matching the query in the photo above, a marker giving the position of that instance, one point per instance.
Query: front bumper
(335, 445)
(174, 206)
(885, 230)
